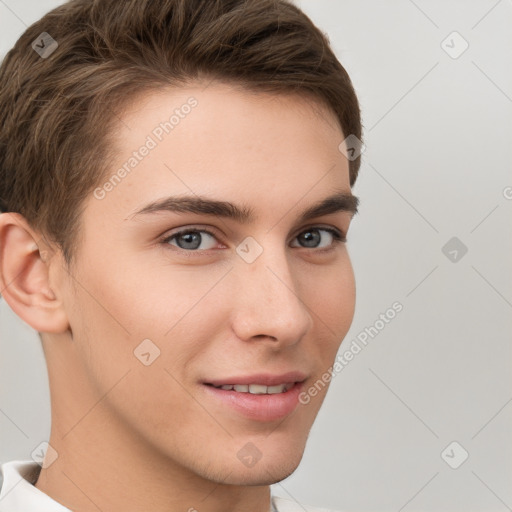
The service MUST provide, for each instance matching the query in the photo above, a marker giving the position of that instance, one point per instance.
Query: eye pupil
(311, 238)
(190, 238)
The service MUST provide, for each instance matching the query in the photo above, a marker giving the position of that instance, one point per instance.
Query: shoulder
(286, 505)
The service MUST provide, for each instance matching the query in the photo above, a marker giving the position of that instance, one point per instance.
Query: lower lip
(259, 407)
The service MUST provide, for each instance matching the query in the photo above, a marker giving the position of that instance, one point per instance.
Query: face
(199, 327)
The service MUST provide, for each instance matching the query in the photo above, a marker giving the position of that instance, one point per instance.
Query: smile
(257, 389)
(258, 397)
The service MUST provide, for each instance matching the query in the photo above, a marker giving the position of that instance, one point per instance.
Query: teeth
(257, 389)
(271, 390)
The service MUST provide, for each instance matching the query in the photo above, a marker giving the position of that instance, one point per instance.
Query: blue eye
(311, 237)
(190, 240)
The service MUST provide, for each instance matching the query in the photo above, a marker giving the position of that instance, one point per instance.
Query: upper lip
(265, 379)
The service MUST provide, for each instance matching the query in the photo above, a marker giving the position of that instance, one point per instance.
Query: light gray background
(437, 165)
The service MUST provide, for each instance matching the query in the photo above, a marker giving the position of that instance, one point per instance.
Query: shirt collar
(18, 493)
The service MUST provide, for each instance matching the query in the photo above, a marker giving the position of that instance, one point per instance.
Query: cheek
(138, 344)
(332, 303)
(330, 295)
(142, 296)
(121, 312)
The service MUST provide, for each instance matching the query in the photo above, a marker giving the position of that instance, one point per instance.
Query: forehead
(226, 142)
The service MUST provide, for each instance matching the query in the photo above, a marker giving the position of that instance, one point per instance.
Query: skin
(136, 437)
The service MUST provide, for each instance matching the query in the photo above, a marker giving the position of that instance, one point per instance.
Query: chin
(272, 464)
(262, 474)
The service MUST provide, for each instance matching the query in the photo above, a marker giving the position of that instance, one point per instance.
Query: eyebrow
(340, 202)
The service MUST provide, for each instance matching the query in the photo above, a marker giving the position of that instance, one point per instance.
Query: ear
(24, 275)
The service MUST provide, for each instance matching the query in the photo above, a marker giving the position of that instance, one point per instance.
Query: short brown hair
(56, 113)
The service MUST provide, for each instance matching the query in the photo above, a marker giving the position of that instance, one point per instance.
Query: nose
(268, 304)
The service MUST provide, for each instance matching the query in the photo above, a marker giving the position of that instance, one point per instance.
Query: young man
(175, 177)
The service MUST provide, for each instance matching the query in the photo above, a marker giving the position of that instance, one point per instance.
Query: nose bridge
(268, 302)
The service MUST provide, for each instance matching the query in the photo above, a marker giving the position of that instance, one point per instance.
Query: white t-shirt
(18, 493)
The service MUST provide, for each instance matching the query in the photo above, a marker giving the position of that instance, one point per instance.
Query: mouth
(261, 397)
(256, 389)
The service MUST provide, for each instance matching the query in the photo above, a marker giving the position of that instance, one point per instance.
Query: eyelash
(338, 237)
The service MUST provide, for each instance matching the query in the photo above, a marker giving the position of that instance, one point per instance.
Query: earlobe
(24, 276)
